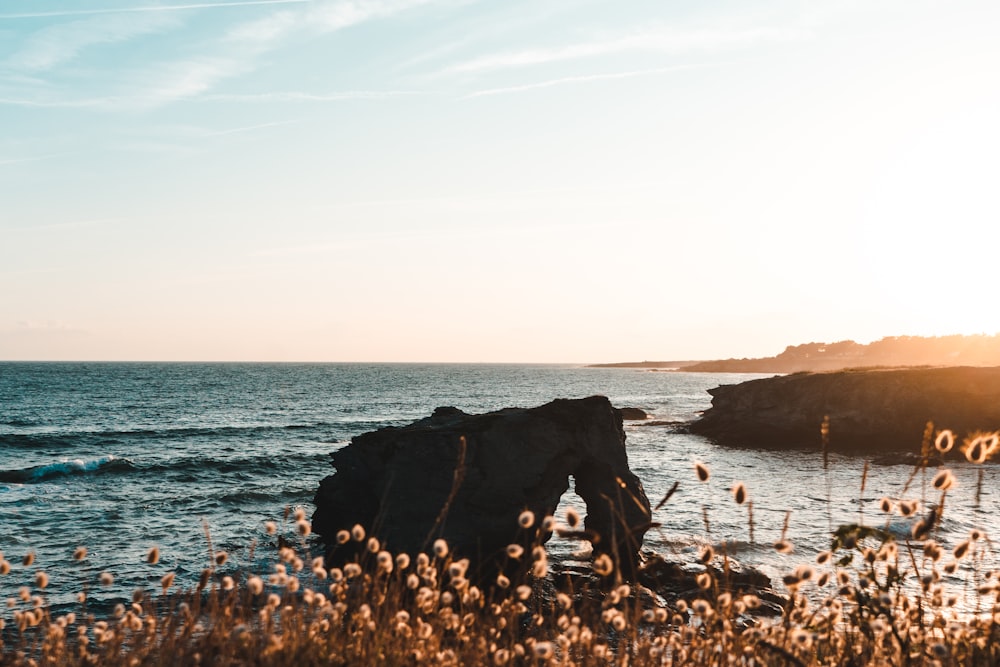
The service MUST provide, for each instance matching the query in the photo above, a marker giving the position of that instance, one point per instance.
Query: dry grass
(870, 600)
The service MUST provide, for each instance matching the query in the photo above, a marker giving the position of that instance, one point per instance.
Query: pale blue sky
(456, 180)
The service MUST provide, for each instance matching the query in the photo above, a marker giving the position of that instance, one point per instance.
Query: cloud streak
(149, 8)
(662, 41)
(62, 42)
(579, 79)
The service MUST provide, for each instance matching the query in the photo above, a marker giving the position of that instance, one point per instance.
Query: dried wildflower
(80, 553)
(975, 450)
(255, 585)
(784, 547)
(523, 592)
(701, 470)
(707, 554)
(944, 480)
(270, 527)
(300, 514)
(603, 565)
(106, 578)
(358, 532)
(373, 545)
(704, 580)
(343, 536)
(29, 558)
(221, 557)
(41, 579)
(4, 567)
(384, 560)
(526, 519)
(961, 549)
(739, 493)
(153, 556)
(572, 517)
(944, 441)
(440, 548)
(502, 581)
(885, 505)
(514, 551)
(802, 638)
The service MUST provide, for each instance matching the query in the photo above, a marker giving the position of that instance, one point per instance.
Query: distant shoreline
(889, 352)
(655, 365)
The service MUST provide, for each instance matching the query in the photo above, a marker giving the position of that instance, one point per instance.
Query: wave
(41, 473)
(61, 439)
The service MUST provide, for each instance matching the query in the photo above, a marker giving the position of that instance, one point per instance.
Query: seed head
(944, 441)
(153, 556)
(80, 553)
(526, 519)
(107, 578)
(41, 579)
(603, 565)
(343, 536)
(701, 470)
(944, 480)
(514, 551)
(784, 547)
(739, 493)
(221, 557)
(440, 548)
(270, 527)
(29, 558)
(975, 451)
(358, 532)
(572, 517)
(302, 527)
(255, 585)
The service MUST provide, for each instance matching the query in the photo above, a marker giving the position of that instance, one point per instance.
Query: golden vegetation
(872, 599)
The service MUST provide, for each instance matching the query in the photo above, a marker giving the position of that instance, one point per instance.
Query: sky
(493, 181)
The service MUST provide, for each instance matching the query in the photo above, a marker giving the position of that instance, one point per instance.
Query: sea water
(195, 458)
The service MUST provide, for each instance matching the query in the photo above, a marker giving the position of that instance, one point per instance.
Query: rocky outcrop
(467, 478)
(868, 410)
(633, 414)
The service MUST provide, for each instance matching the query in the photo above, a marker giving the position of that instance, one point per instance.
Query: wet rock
(467, 478)
(633, 414)
(869, 410)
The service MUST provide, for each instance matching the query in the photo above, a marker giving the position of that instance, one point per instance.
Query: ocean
(196, 457)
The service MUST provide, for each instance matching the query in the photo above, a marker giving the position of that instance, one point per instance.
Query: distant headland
(892, 351)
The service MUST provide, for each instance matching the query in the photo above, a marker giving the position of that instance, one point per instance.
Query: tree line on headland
(891, 351)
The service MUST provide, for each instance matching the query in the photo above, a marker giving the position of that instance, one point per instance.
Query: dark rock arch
(396, 481)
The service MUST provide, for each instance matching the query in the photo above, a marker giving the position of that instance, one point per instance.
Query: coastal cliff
(880, 410)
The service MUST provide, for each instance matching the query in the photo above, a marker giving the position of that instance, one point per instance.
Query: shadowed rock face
(869, 410)
(395, 481)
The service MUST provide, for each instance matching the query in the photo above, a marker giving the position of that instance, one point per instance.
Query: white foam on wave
(69, 466)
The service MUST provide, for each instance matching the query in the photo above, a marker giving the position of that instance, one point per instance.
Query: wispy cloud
(62, 42)
(33, 158)
(666, 41)
(579, 79)
(298, 96)
(250, 128)
(149, 8)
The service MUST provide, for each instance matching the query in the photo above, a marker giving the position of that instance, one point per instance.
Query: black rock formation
(467, 478)
(869, 410)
